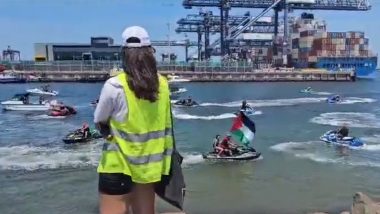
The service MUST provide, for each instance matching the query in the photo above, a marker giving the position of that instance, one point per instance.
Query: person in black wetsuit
(245, 106)
(343, 132)
(189, 101)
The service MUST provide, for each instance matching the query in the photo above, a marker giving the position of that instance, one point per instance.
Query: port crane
(206, 23)
(227, 35)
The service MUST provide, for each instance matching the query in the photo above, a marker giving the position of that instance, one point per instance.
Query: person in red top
(227, 145)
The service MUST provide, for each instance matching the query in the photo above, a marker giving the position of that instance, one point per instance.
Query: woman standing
(134, 113)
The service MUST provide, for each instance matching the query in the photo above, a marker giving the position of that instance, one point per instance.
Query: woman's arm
(104, 110)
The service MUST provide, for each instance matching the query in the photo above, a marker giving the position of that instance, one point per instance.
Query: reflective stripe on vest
(141, 159)
(141, 138)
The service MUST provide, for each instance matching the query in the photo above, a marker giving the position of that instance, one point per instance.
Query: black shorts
(115, 184)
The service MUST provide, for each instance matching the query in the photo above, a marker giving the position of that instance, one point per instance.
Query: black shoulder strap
(172, 123)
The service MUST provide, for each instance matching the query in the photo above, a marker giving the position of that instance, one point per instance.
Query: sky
(25, 22)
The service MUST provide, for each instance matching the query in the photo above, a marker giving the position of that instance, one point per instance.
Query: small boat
(242, 154)
(334, 99)
(307, 90)
(77, 137)
(186, 103)
(43, 91)
(173, 78)
(21, 102)
(9, 78)
(331, 137)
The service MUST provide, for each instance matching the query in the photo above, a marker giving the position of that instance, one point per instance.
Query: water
(297, 173)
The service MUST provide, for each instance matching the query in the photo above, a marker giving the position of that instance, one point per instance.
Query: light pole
(170, 48)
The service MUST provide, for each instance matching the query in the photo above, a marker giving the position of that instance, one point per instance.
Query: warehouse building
(100, 48)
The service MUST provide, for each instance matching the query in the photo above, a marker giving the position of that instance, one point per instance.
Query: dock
(195, 76)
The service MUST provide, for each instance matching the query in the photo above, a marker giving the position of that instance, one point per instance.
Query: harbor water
(297, 174)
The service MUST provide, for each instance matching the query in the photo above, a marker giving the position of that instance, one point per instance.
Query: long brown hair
(141, 68)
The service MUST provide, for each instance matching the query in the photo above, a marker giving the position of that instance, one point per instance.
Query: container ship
(314, 47)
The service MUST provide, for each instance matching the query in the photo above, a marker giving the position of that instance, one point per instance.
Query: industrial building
(100, 48)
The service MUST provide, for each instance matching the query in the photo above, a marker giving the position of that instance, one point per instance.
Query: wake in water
(351, 119)
(264, 103)
(211, 117)
(75, 156)
(45, 116)
(354, 100)
(313, 151)
(321, 93)
(289, 102)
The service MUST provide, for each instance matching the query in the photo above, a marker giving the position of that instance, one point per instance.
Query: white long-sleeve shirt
(112, 102)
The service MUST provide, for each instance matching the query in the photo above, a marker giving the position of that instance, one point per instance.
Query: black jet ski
(237, 155)
(77, 137)
(185, 102)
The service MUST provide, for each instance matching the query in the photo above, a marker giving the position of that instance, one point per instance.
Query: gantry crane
(276, 5)
(206, 23)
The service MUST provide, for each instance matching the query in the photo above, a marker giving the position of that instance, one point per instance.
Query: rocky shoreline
(362, 204)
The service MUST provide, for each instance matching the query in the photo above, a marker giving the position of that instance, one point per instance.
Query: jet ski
(332, 138)
(62, 111)
(239, 154)
(77, 137)
(184, 102)
(334, 99)
(247, 111)
(307, 90)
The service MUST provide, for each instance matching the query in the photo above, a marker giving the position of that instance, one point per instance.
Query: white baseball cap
(137, 36)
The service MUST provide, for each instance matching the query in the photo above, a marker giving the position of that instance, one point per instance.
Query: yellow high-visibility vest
(142, 144)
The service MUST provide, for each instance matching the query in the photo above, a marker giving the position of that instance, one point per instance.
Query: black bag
(171, 188)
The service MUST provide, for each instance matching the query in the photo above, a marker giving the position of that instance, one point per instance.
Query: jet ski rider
(342, 132)
(85, 130)
(245, 106)
(216, 144)
(227, 146)
(189, 101)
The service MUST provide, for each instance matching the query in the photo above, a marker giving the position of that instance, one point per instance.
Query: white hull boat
(20, 106)
(21, 102)
(38, 91)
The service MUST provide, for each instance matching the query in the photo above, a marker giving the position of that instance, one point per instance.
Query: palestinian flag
(243, 129)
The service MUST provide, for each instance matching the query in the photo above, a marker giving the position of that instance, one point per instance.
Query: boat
(242, 154)
(184, 102)
(331, 137)
(9, 78)
(174, 78)
(62, 111)
(334, 99)
(313, 46)
(40, 91)
(22, 102)
(77, 137)
(307, 90)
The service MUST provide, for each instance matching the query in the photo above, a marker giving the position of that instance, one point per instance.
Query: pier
(257, 76)
(99, 71)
